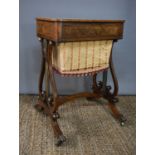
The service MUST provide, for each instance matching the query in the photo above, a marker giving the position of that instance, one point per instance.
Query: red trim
(80, 74)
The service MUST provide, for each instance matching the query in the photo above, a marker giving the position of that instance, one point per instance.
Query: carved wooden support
(117, 114)
(111, 96)
(50, 104)
(63, 99)
(41, 78)
(112, 99)
(42, 96)
(107, 94)
(53, 113)
(97, 87)
(45, 103)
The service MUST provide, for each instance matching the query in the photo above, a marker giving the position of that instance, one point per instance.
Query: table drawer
(91, 31)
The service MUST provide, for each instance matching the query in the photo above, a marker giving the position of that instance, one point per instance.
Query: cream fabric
(82, 57)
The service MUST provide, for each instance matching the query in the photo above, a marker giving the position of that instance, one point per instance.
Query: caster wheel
(60, 140)
(43, 93)
(122, 123)
(43, 96)
(115, 100)
(122, 120)
(50, 100)
(56, 116)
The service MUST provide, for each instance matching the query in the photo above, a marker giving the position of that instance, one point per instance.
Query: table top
(76, 20)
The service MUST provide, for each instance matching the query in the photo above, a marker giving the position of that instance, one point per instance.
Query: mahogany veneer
(66, 30)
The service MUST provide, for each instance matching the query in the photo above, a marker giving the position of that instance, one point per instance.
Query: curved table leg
(42, 96)
(60, 138)
(99, 88)
(42, 73)
(111, 97)
(45, 102)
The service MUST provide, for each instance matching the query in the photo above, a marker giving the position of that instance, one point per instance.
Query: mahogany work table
(76, 47)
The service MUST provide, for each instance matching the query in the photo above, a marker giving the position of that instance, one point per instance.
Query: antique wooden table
(75, 47)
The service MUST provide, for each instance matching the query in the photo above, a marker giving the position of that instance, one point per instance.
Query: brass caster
(115, 100)
(43, 93)
(122, 120)
(58, 115)
(55, 116)
(60, 140)
(122, 123)
(50, 100)
(43, 96)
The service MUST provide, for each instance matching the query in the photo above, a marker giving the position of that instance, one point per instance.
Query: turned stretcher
(74, 47)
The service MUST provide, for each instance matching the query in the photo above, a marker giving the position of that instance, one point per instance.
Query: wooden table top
(76, 20)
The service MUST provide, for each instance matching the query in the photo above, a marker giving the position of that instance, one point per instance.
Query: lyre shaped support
(107, 94)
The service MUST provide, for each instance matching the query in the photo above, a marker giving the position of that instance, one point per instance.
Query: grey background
(124, 52)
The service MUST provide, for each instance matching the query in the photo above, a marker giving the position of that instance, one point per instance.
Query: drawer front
(91, 31)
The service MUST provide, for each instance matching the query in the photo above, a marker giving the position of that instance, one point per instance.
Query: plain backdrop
(124, 52)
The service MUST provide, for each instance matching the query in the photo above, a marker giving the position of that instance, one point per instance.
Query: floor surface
(88, 126)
